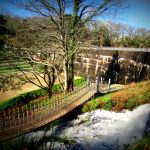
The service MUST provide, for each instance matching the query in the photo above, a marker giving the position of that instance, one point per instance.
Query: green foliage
(108, 105)
(94, 104)
(143, 144)
(23, 98)
(80, 82)
(89, 106)
(56, 88)
(6, 30)
(26, 97)
(130, 104)
(106, 97)
(85, 109)
(129, 98)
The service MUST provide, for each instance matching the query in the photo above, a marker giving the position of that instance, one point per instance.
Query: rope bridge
(19, 120)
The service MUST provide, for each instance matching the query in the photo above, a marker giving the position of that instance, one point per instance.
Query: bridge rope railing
(21, 119)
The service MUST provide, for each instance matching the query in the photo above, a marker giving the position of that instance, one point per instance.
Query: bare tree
(69, 29)
(40, 69)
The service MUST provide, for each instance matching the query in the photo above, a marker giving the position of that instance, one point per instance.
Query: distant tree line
(34, 31)
(115, 34)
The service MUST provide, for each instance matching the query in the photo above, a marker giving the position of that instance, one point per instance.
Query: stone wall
(94, 64)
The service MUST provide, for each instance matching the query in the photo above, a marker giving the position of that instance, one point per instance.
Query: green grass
(33, 95)
(103, 102)
(104, 98)
(7, 67)
(129, 98)
(143, 144)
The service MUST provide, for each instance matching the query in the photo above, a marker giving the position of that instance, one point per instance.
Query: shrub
(26, 97)
(80, 82)
(93, 104)
(109, 104)
(85, 109)
(121, 96)
(132, 96)
(130, 104)
(119, 106)
(142, 144)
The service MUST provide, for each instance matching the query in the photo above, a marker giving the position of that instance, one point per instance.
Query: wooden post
(34, 111)
(22, 115)
(27, 113)
(101, 84)
(109, 81)
(14, 118)
(18, 116)
(9, 114)
(97, 85)
(88, 80)
(30, 108)
(9, 118)
(4, 122)
(126, 79)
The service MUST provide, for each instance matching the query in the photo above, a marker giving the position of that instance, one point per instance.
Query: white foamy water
(103, 130)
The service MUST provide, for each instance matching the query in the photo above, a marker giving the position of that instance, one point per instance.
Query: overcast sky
(137, 15)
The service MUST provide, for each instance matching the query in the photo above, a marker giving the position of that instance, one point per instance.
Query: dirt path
(4, 96)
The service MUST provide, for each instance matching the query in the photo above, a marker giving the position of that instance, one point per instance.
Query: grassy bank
(143, 144)
(132, 96)
(33, 95)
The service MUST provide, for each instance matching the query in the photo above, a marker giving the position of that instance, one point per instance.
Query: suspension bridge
(19, 120)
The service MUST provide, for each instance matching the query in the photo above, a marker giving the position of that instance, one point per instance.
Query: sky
(136, 15)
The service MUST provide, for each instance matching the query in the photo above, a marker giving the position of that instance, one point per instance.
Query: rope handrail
(34, 103)
(26, 118)
(35, 106)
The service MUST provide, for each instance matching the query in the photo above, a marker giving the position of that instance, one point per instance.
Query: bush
(26, 97)
(108, 105)
(129, 98)
(142, 144)
(85, 109)
(93, 104)
(23, 98)
(80, 82)
(133, 95)
(89, 106)
(130, 104)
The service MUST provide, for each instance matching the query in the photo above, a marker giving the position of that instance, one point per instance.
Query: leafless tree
(41, 69)
(69, 27)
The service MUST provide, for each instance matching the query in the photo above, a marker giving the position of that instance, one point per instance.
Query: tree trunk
(49, 92)
(65, 68)
(69, 74)
(71, 77)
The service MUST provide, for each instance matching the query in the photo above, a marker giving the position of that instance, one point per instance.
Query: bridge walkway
(17, 121)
